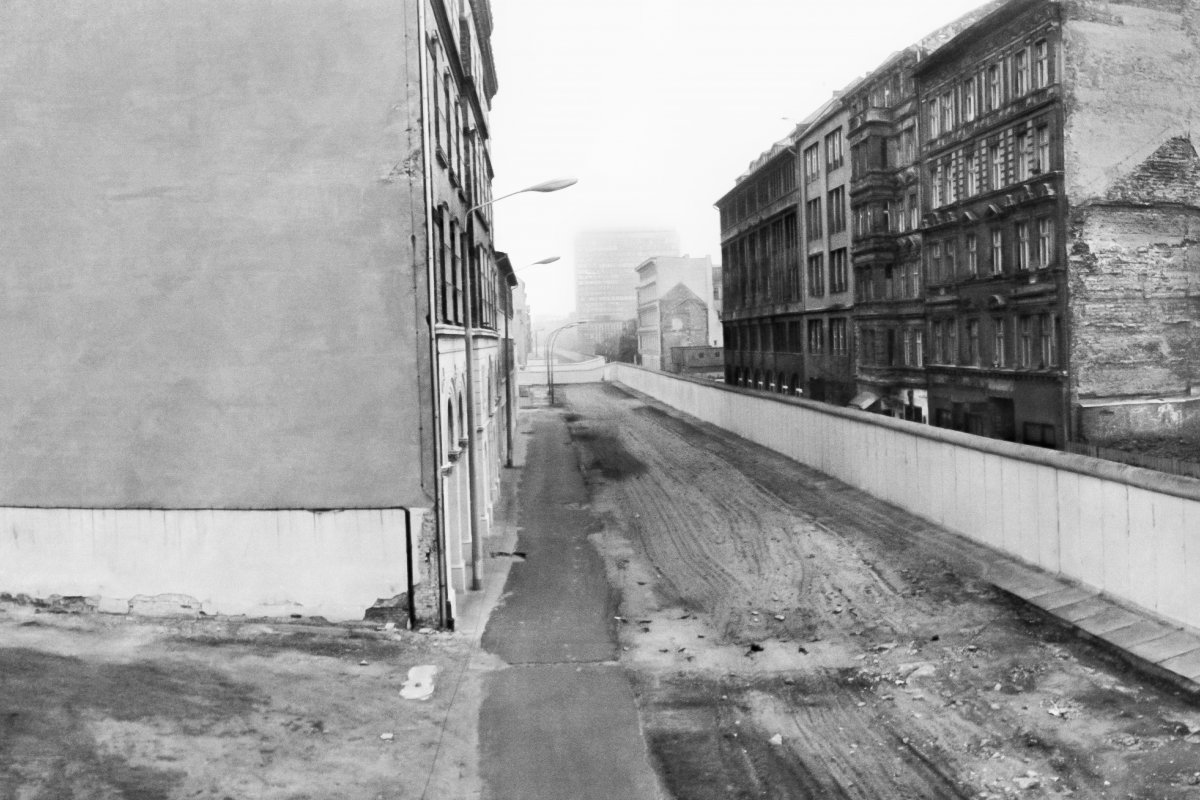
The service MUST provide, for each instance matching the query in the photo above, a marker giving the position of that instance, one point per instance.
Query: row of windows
(1011, 77)
(988, 164)
(457, 146)
(839, 278)
(1031, 341)
(1023, 245)
(889, 282)
(835, 206)
(895, 216)
(883, 153)
(453, 254)
(816, 337)
(835, 156)
(763, 191)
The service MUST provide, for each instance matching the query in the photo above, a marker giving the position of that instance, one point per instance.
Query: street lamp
(508, 348)
(550, 356)
(469, 350)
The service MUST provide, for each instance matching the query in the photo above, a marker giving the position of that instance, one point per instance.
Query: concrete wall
(261, 563)
(1129, 532)
(590, 371)
(205, 258)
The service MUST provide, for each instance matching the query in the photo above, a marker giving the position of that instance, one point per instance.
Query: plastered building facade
(235, 255)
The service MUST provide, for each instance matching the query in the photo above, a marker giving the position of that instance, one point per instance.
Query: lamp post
(469, 352)
(508, 348)
(550, 356)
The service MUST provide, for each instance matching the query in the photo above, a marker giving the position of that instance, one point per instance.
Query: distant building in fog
(605, 280)
(674, 307)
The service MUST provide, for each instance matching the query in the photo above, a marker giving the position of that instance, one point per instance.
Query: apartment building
(762, 285)
(243, 249)
(886, 255)
(995, 265)
(675, 307)
(828, 296)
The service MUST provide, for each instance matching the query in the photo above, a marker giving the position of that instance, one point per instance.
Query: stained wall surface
(1125, 531)
(206, 292)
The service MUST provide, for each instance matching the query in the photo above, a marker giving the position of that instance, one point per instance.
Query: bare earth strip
(794, 638)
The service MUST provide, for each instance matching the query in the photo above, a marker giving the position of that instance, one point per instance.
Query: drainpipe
(472, 431)
(508, 394)
(430, 315)
(408, 557)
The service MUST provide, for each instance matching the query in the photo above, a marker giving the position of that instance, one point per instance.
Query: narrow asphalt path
(561, 720)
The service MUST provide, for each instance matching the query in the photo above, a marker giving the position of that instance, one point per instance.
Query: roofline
(975, 31)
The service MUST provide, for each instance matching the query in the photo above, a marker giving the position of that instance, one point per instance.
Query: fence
(1174, 466)
(1126, 531)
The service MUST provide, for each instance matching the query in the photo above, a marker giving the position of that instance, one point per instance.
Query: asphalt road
(561, 720)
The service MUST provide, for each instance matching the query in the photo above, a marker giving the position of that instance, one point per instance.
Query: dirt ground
(94, 707)
(792, 638)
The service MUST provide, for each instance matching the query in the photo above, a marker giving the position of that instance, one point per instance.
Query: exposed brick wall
(1135, 302)
(1130, 74)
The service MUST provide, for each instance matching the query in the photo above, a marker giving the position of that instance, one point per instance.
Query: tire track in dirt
(895, 673)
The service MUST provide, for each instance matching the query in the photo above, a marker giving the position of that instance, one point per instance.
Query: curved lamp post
(550, 355)
(469, 348)
(508, 404)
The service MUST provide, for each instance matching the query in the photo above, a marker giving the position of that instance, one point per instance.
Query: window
(1039, 434)
(1041, 140)
(812, 218)
(816, 275)
(838, 335)
(1045, 242)
(834, 157)
(972, 250)
(816, 337)
(951, 181)
(812, 163)
(1025, 343)
(951, 341)
(951, 261)
(837, 210)
(993, 87)
(996, 159)
(919, 348)
(973, 342)
(997, 251)
(935, 262)
(1021, 145)
(935, 124)
(948, 112)
(939, 341)
(938, 185)
(999, 358)
(969, 92)
(914, 211)
(907, 354)
(1041, 64)
(838, 277)
(1020, 72)
(1022, 231)
(971, 165)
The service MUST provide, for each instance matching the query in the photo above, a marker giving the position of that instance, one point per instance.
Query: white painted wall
(1131, 533)
(333, 564)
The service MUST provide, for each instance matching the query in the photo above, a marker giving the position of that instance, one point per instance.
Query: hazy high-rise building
(605, 269)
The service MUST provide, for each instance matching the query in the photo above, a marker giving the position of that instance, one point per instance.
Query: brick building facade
(1023, 201)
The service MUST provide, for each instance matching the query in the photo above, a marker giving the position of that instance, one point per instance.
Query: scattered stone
(363, 663)
(802, 650)
(755, 647)
(387, 737)
(777, 740)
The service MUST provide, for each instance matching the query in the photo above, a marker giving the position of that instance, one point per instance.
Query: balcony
(871, 116)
